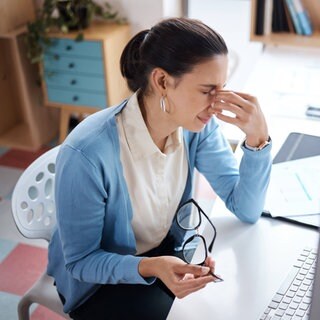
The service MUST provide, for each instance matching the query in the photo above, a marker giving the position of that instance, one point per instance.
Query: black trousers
(130, 301)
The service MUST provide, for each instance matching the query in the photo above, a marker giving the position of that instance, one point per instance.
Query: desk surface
(252, 259)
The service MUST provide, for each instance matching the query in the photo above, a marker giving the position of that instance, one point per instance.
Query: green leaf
(79, 37)
(64, 28)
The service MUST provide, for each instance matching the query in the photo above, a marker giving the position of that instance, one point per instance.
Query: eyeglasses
(188, 217)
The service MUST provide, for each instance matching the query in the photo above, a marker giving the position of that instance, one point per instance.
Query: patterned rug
(22, 261)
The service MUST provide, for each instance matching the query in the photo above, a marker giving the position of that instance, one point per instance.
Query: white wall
(231, 18)
(143, 14)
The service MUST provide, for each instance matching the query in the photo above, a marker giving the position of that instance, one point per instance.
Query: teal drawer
(74, 65)
(77, 98)
(75, 82)
(70, 47)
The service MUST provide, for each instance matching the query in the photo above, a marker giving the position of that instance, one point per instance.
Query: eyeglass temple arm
(215, 231)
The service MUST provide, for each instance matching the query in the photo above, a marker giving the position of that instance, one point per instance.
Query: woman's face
(189, 101)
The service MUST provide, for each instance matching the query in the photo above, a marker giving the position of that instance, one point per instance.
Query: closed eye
(211, 92)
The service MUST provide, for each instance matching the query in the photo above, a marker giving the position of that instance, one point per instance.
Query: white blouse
(155, 180)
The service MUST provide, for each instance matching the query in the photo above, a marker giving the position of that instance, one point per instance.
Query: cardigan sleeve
(80, 200)
(243, 188)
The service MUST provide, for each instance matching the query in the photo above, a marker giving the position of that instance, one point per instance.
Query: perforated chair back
(33, 204)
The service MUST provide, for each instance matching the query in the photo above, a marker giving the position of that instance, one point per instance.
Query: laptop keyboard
(293, 299)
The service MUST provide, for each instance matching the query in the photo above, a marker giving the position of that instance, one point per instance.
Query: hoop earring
(163, 104)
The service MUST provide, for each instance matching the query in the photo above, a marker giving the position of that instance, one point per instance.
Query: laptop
(296, 146)
(298, 297)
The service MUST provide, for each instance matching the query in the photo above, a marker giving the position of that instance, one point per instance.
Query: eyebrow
(212, 86)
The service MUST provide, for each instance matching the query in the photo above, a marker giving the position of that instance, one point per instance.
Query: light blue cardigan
(94, 242)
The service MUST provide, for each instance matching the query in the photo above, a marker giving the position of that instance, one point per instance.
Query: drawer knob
(68, 48)
(75, 98)
(73, 81)
(71, 65)
(56, 57)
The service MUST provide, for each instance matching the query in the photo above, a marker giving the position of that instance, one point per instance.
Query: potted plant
(64, 16)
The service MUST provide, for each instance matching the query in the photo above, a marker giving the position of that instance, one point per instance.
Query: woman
(122, 173)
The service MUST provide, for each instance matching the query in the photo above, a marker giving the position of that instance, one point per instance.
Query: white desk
(252, 259)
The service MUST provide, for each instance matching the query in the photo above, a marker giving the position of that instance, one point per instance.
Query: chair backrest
(32, 203)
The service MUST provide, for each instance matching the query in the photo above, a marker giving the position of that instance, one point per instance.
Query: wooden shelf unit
(66, 56)
(24, 123)
(286, 38)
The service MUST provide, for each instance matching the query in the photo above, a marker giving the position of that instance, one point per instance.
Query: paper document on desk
(294, 188)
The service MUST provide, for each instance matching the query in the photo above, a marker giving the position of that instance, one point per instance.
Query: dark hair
(175, 45)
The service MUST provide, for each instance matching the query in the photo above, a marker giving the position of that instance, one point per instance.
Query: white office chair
(34, 214)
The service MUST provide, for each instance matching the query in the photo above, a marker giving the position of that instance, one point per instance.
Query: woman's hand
(181, 278)
(248, 115)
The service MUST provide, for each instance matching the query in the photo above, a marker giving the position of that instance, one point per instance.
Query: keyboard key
(309, 276)
(304, 306)
(300, 313)
(309, 261)
(306, 300)
(306, 252)
(294, 305)
(301, 293)
(279, 313)
(263, 317)
(290, 312)
(297, 282)
(283, 306)
(298, 263)
(303, 272)
(289, 279)
(309, 293)
(307, 282)
(300, 277)
(291, 294)
(286, 300)
(277, 298)
(273, 305)
(297, 299)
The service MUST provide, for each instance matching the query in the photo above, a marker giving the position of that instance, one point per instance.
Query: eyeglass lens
(188, 216)
(195, 251)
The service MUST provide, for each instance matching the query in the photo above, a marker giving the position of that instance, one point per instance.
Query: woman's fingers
(192, 269)
(192, 285)
(246, 114)
(181, 278)
(210, 263)
(233, 98)
(237, 110)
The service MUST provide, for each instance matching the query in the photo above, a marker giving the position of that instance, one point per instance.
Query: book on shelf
(294, 17)
(279, 19)
(288, 17)
(268, 8)
(303, 17)
(259, 28)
